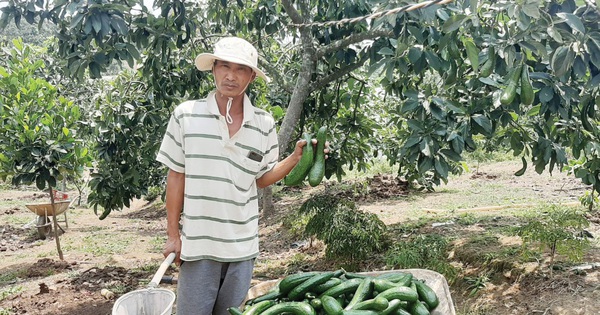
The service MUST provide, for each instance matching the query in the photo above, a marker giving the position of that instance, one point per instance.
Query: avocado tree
(38, 131)
(525, 71)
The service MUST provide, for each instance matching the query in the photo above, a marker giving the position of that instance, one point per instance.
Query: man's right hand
(173, 245)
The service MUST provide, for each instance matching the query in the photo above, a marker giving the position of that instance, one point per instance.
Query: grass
(100, 243)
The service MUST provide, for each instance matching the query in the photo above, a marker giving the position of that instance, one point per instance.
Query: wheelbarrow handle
(161, 270)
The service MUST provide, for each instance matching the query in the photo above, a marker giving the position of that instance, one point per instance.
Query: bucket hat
(231, 49)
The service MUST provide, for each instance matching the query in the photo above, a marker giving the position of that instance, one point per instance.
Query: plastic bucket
(145, 302)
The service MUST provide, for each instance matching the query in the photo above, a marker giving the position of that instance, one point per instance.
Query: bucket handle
(161, 270)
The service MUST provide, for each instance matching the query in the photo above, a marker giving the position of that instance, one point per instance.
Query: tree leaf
(483, 121)
(562, 60)
(453, 23)
(573, 21)
(472, 53)
(593, 49)
(546, 94)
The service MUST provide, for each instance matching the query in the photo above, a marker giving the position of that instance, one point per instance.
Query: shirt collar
(211, 100)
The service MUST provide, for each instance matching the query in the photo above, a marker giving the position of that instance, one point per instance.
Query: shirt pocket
(246, 176)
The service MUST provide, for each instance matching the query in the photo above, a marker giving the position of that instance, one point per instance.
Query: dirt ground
(122, 252)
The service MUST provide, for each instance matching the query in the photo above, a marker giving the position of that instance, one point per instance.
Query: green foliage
(153, 193)
(422, 251)
(475, 284)
(125, 140)
(557, 229)
(417, 87)
(351, 235)
(39, 140)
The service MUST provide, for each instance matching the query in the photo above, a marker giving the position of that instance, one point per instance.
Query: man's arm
(281, 169)
(174, 204)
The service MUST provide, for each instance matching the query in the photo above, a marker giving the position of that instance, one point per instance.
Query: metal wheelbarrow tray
(46, 210)
(433, 279)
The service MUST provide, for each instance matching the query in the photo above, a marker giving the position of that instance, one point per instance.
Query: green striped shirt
(220, 212)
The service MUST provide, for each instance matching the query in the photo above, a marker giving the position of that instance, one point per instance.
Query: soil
(106, 259)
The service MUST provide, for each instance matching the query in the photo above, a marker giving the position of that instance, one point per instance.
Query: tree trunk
(268, 208)
(299, 95)
(55, 224)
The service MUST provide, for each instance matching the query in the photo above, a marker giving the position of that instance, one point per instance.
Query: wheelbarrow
(45, 211)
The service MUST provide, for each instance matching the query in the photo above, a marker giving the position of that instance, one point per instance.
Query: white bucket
(145, 302)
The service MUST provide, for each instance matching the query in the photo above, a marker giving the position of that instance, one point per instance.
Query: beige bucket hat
(232, 49)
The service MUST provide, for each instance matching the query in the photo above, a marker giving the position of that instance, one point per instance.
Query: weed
(295, 224)
(297, 260)
(8, 277)
(99, 244)
(158, 243)
(476, 283)
(154, 192)
(10, 291)
(118, 288)
(423, 251)
(556, 228)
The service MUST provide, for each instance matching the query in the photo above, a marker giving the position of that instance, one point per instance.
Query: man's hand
(173, 245)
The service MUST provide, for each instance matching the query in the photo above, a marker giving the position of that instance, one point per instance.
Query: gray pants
(208, 287)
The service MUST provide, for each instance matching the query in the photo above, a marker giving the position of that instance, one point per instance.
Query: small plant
(153, 193)
(9, 291)
(475, 284)
(351, 235)
(558, 229)
(589, 199)
(423, 251)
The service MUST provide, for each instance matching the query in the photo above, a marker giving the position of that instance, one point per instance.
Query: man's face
(232, 78)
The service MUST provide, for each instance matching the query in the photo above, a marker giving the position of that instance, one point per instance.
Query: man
(219, 151)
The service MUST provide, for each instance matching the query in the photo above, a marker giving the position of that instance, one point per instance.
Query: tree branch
(352, 39)
(292, 12)
(274, 74)
(336, 75)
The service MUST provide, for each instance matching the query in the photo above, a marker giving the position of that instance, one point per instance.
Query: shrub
(558, 229)
(351, 235)
(427, 251)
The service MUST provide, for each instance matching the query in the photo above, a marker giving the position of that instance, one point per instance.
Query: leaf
(491, 82)
(531, 9)
(441, 167)
(96, 23)
(95, 70)
(414, 54)
(546, 94)
(386, 51)
(483, 121)
(434, 61)
(453, 23)
(573, 21)
(562, 60)
(523, 169)
(472, 53)
(554, 34)
(579, 67)
(593, 48)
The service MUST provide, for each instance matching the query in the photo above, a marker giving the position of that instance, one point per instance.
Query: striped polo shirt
(220, 210)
